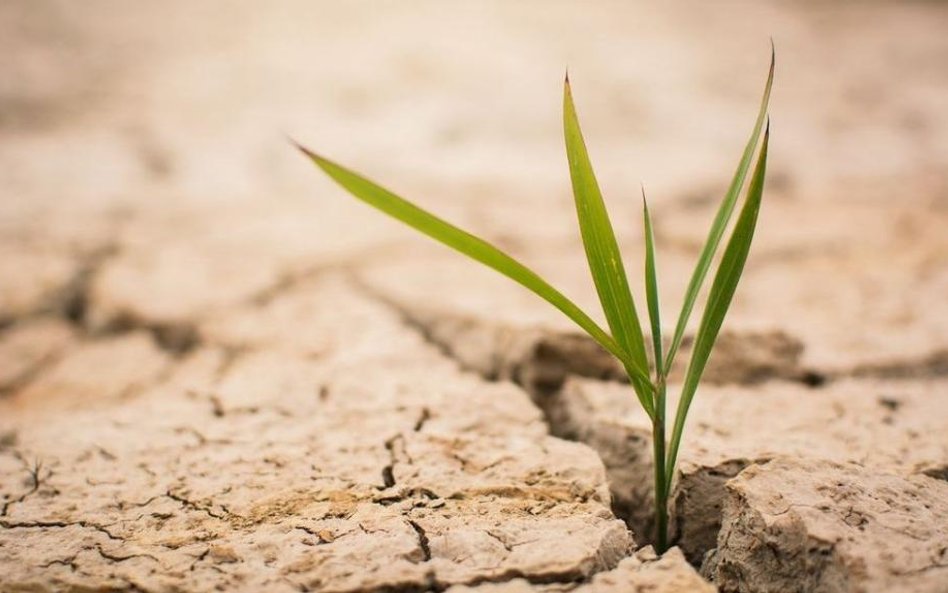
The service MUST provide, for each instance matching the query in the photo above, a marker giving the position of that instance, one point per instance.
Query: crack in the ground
(177, 338)
(422, 420)
(541, 360)
(193, 506)
(499, 540)
(932, 366)
(74, 301)
(287, 280)
(566, 579)
(69, 561)
(60, 525)
(388, 471)
(114, 557)
(392, 443)
(71, 302)
(423, 543)
(33, 372)
(35, 472)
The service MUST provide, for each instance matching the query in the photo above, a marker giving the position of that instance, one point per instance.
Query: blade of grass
(602, 253)
(466, 243)
(658, 422)
(719, 299)
(651, 288)
(719, 225)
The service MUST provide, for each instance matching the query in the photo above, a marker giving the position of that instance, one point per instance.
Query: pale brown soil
(218, 372)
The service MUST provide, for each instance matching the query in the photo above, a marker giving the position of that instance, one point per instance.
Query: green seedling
(625, 339)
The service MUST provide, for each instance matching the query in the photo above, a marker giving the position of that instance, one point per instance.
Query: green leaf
(719, 298)
(466, 243)
(602, 253)
(651, 287)
(719, 225)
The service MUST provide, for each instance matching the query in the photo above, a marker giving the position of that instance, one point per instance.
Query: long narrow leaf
(719, 225)
(602, 251)
(719, 299)
(466, 243)
(651, 287)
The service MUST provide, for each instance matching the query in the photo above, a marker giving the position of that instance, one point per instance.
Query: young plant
(625, 339)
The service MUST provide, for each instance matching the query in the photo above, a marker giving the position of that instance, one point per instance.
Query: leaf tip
(300, 147)
(319, 160)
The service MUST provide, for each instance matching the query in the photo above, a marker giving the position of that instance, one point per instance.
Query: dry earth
(217, 372)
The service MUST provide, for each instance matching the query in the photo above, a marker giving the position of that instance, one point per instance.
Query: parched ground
(218, 372)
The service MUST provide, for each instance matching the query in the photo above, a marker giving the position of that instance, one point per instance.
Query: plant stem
(661, 487)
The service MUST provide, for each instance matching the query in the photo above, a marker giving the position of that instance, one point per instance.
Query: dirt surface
(793, 525)
(641, 572)
(218, 372)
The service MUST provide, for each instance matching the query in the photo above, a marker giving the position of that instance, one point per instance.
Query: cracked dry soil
(218, 374)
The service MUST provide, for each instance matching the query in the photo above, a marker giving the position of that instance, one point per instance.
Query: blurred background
(145, 173)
